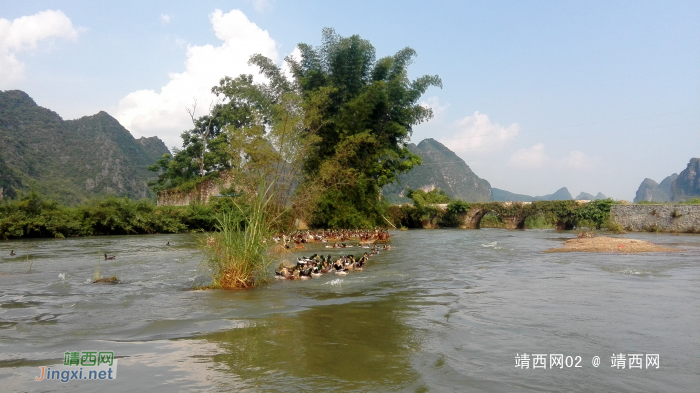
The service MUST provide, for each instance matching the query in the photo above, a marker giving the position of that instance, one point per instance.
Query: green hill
(73, 160)
(442, 169)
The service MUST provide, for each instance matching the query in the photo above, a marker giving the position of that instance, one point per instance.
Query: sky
(594, 96)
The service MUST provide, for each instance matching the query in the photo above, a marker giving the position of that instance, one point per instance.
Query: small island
(610, 244)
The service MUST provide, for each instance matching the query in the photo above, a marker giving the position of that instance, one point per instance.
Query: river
(446, 310)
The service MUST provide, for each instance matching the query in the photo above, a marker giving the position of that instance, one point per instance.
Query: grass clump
(614, 227)
(106, 280)
(238, 252)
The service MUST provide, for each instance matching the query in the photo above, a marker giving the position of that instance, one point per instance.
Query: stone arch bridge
(511, 213)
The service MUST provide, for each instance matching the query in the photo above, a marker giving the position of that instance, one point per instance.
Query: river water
(447, 310)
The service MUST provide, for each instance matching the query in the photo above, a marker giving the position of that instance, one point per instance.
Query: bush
(238, 251)
(537, 221)
(32, 215)
(455, 213)
(613, 227)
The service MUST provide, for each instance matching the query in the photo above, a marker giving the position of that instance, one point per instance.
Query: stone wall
(665, 218)
(200, 194)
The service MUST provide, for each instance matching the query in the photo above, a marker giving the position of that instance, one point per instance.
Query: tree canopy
(336, 131)
(421, 197)
(361, 113)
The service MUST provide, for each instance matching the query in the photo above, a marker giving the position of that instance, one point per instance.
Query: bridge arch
(512, 216)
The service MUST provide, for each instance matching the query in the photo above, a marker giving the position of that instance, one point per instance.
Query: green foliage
(455, 213)
(438, 164)
(238, 251)
(537, 221)
(540, 214)
(560, 214)
(204, 152)
(230, 136)
(613, 227)
(424, 214)
(432, 197)
(594, 213)
(343, 123)
(491, 220)
(70, 161)
(457, 207)
(32, 215)
(359, 114)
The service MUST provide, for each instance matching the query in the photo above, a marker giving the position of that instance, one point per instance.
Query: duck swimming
(315, 272)
(341, 272)
(110, 258)
(12, 253)
(316, 265)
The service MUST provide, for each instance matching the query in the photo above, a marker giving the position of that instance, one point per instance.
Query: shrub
(537, 221)
(455, 213)
(238, 252)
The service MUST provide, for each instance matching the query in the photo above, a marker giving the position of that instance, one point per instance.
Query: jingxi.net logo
(83, 365)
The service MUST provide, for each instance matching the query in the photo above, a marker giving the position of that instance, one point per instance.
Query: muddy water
(447, 310)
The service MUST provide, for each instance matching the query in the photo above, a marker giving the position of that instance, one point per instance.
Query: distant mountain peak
(70, 160)
(584, 196)
(686, 185)
(18, 96)
(651, 191)
(442, 169)
(507, 196)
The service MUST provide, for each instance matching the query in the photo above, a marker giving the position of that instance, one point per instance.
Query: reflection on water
(355, 346)
(447, 310)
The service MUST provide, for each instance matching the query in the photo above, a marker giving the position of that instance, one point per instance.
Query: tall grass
(239, 251)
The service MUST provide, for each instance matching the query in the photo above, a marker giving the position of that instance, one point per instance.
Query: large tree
(342, 121)
(245, 131)
(359, 115)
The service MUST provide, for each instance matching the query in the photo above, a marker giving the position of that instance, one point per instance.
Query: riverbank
(34, 216)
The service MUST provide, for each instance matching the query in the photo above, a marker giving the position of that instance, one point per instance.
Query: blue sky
(537, 95)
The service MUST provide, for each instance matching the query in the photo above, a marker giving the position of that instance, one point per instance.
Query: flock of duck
(299, 238)
(317, 265)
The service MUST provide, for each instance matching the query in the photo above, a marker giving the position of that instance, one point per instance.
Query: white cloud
(261, 5)
(529, 158)
(438, 109)
(286, 71)
(477, 131)
(535, 157)
(24, 34)
(149, 112)
(165, 19)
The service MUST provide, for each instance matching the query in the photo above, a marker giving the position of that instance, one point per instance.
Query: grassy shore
(34, 216)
